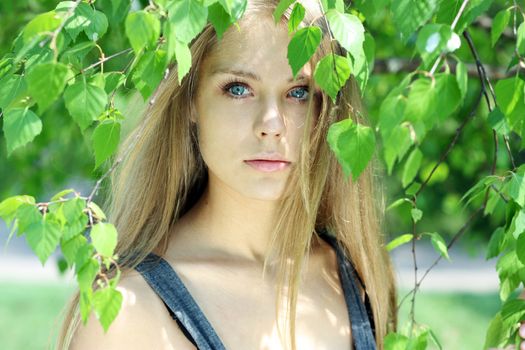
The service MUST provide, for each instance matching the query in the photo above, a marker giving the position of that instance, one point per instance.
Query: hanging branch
(484, 92)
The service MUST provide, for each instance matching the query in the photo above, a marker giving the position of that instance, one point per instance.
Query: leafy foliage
(80, 57)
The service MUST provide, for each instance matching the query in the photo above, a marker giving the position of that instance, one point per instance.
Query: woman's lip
(268, 166)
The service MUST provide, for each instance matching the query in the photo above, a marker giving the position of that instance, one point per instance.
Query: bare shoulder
(143, 322)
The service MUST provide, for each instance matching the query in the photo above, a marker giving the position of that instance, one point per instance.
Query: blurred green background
(35, 308)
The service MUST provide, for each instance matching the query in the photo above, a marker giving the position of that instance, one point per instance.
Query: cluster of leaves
(63, 222)
(58, 57)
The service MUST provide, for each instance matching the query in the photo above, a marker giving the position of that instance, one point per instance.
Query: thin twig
(486, 81)
(453, 142)
(54, 35)
(101, 61)
(453, 25)
(438, 259)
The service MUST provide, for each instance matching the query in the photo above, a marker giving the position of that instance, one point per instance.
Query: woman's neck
(226, 224)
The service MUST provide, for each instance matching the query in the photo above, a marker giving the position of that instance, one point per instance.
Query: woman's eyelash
(232, 82)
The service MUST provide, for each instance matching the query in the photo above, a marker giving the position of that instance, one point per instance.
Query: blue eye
(300, 93)
(236, 89)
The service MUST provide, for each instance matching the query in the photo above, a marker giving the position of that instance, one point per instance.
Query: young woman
(238, 229)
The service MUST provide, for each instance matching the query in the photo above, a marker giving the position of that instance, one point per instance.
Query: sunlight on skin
(128, 297)
(166, 339)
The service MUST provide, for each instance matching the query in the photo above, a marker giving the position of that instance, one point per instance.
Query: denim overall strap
(362, 333)
(170, 288)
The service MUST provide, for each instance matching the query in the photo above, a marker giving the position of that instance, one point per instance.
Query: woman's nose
(271, 121)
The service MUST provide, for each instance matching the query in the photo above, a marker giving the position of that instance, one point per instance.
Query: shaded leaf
(396, 242)
(21, 126)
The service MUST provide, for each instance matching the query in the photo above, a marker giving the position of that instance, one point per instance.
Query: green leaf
(448, 94)
(331, 73)
(113, 81)
(362, 64)
(353, 145)
(419, 342)
(73, 208)
(118, 9)
(142, 30)
(449, 8)
(296, 17)
(219, 18)
(411, 167)
(409, 15)
(107, 303)
(391, 114)
(520, 247)
(87, 273)
(43, 23)
(104, 238)
(21, 126)
(12, 89)
(396, 242)
(416, 214)
(497, 121)
(189, 18)
(27, 214)
(396, 145)
(85, 102)
(422, 102)
(149, 72)
(83, 257)
(500, 22)
(397, 203)
(479, 188)
(462, 78)
(183, 56)
(105, 138)
(94, 23)
(434, 39)
(71, 247)
(43, 237)
(62, 194)
(234, 8)
(496, 243)
(496, 333)
(301, 48)
(512, 308)
(395, 341)
(439, 244)
(97, 212)
(520, 44)
(98, 27)
(75, 227)
(508, 267)
(517, 189)
(348, 30)
(517, 226)
(85, 301)
(510, 98)
(46, 81)
(280, 8)
(9, 206)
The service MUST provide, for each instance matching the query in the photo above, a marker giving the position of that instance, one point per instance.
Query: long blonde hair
(163, 175)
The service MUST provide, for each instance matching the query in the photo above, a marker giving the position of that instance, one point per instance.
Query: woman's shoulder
(143, 322)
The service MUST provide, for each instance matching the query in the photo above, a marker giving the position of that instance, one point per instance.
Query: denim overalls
(191, 320)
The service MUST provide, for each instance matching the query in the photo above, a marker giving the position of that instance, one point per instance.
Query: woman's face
(248, 108)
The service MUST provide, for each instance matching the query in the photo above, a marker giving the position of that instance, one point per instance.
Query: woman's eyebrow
(251, 75)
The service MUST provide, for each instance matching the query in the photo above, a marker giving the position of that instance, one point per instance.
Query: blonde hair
(163, 176)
